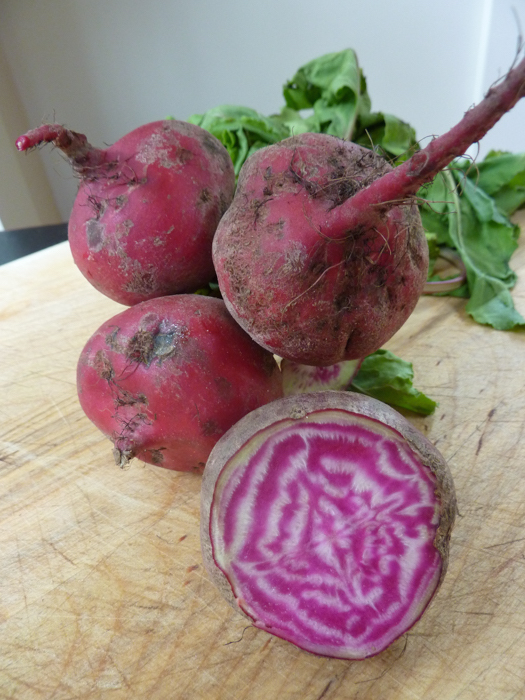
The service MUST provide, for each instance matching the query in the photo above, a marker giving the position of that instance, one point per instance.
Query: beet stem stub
(364, 208)
(82, 156)
(331, 529)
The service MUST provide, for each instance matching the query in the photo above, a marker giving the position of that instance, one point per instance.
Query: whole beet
(165, 379)
(322, 255)
(147, 207)
(297, 292)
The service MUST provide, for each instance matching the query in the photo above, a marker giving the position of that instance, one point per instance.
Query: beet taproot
(322, 256)
(147, 207)
(166, 378)
(326, 520)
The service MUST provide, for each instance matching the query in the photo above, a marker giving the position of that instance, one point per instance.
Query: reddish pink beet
(147, 207)
(322, 256)
(326, 519)
(166, 378)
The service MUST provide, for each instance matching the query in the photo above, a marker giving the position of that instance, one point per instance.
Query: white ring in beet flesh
(326, 519)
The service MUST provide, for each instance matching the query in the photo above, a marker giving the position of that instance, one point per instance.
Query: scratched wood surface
(102, 591)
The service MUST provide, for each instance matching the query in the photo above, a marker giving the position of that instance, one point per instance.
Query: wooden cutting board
(102, 590)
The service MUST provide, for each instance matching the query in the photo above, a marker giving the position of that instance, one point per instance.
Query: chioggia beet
(147, 207)
(302, 379)
(322, 256)
(326, 519)
(166, 378)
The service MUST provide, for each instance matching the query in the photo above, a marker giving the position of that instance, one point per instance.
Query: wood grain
(102, 591)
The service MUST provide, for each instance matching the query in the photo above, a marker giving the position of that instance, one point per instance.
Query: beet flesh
(166, 378)
(147, 207)
(321, 256)
(326, 519)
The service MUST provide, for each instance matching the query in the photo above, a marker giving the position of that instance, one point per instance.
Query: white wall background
(505, 19)
(103, 67)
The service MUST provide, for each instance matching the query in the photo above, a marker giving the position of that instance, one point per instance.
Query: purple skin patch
(324, 528)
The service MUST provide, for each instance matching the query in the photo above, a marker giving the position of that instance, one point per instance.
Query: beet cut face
(329, 527)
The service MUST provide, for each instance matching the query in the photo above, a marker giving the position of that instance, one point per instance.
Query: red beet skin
(297, 292)
(147, 207)
(326, 520)
(166, 378)
(321, 256)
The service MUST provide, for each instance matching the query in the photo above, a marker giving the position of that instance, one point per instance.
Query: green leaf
(386, 377)
(470, 221)
(296, 123)
(334, 76)
(486, 241)
(435, 211)
(393, 136)
(241, 130)
(333, 86)
(497, 170)
(433, 251)
(502, 176)
(510, 199)
(491, 303)
(335, 120)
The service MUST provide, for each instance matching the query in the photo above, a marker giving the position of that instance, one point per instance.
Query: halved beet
(326, 520)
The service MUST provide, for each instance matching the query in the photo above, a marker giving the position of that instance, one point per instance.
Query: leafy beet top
(325, 528)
